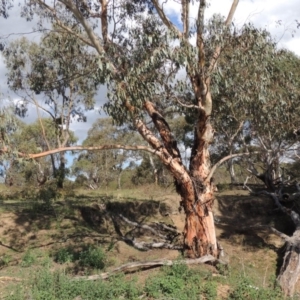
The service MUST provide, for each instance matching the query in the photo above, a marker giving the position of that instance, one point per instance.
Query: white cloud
(266, 14)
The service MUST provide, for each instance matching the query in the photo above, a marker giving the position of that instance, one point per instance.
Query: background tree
(102, 167)
(62, 72)
(257, 101)
(34, 138)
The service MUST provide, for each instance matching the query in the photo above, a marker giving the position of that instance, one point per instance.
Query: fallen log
(137, 266)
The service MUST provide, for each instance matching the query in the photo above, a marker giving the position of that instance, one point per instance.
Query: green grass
(176, 282)
(44, 285)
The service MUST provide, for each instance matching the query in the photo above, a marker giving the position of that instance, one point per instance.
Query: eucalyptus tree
(34, 138)
(257, 100)
(102, 167)
(56, 77)
(151, 67)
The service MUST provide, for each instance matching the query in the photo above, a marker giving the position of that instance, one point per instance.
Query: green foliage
(44, 284)
(92, 257)
(247, 290)
(99, 168)
(64, 255)
(5, 260)
(179, 282)
(43, 200)
(150, 171)
(210, 290)
(28, 259)
(175, 282)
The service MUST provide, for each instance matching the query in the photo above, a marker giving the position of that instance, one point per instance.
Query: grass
(176, 282)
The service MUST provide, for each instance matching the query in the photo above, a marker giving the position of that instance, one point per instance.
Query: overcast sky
(277, 16)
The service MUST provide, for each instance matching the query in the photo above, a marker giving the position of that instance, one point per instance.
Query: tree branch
(294, 216)
(273, 230)
(221, 161)
(104, 24)
(147, 227)
(89, 31)
(186, 105)
(164, 130)
(63, 26)
(185, 17)
(80, 148)
(165, 19)
(214, 60)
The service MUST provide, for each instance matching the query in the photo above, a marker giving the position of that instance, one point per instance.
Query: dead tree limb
(144, 226)
(290, 269)
(136, 266)
(280, 234)
(143, 246)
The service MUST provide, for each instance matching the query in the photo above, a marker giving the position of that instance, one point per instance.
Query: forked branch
(165, 19)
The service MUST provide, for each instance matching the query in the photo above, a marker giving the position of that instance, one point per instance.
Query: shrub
(92, 257)
(28, 259)
(176, 282)
(64, 255)
(245, 289)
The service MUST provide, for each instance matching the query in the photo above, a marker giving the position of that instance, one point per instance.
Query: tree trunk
(232, 172)
(290, 269)
(196, 192)
(199, 232)
(154, 169)
(61, 172)
(119, 179)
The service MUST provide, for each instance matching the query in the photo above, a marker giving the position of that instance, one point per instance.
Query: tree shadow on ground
(239, 217)
(31, 222)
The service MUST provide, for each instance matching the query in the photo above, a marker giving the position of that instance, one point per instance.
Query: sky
(277, 16)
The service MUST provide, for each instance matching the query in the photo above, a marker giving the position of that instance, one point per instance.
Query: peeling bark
(199, 233)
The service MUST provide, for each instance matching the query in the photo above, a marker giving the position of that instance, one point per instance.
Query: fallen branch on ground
(272, 229)
(8, 278)
(166, 227)
(155, 245)
(136, 266)
(147, 227)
